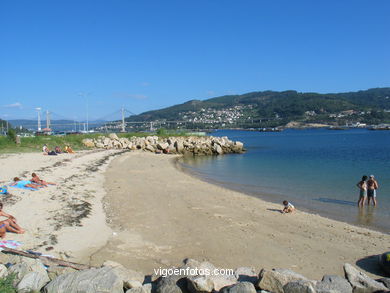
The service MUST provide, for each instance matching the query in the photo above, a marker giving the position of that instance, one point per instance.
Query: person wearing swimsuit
(372, 186)
(362, 185)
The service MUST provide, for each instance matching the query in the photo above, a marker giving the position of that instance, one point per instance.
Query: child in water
(288, 207)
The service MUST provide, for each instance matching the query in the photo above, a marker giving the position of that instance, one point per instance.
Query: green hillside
(271, 108)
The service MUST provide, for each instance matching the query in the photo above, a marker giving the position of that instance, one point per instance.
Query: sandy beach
(64, 220)
(140, 210)
(161, 215)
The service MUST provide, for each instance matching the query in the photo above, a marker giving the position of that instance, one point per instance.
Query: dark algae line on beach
(316, 169)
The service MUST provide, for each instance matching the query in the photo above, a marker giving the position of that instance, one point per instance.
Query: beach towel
(23, 187)
(9, 244)
(3, 190)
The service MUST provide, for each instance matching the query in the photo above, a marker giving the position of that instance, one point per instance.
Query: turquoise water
(316, 169)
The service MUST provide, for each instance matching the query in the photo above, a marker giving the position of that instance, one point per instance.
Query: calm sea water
(316, 169)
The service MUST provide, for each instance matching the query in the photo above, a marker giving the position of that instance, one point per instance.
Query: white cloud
(14, 105)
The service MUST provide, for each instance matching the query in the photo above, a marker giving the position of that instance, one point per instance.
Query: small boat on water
(337, 128)
(379, 127)
(270, 129)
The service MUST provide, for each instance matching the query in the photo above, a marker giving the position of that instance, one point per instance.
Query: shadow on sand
(275, 210)
(371, 264)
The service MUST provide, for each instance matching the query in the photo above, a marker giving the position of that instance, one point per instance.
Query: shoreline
(278, 198)
(139, 209)
(225, 227)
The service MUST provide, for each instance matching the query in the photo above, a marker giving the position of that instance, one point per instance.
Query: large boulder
(32, 282)
(3, 271)
(88, 142)
(150, 148)
(360, 282)
(167, 285)
(130, 278)
(162, 145)
(385, 281)
(299, 286)
(205, 277)
(179, 146)
(147, 288)
(30, 275)
(218, 149)
(274, 280)
(113, 136)
(200, 284)
(333, 283)
(102, 280)
(55, 271)
(244, 274)
(243, 287)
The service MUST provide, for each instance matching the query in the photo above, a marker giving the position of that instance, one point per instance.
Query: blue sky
(144, 55)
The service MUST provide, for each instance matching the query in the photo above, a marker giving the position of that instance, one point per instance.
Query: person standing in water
(362, 185)
(372, 186)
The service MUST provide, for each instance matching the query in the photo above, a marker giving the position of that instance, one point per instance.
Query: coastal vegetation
(35, 143)
(272, 108)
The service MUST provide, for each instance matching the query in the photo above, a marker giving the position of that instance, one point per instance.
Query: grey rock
(102, 280)
(167, 285)
(243, 287)
(113, 136)
(147, 288)
(27, 265)
(218, 149)
(162, 146)
(299, 286)
(274, 280)
(130, 278)
(32, 282)
(200, 284)
(150, 148)
(99, 145)
(333, 283)
(88, 142)
(244, 274)
(361, 283)
(3, 271)
(179, 146)
(385, 281)
(55, 271)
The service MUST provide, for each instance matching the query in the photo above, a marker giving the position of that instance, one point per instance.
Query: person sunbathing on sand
(35, 179)
(6, 227)
(12, 225)
(68, 150)
(24, 183)
(288, 207)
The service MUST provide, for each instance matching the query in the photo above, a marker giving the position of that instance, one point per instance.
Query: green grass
(6, 284)
(34, 144)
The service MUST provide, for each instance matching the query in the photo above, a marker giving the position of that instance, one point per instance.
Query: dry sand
(159, 215)
(67, 218)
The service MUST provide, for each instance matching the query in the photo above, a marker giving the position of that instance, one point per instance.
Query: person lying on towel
(36, 180)
(24, 183)
(12, 225)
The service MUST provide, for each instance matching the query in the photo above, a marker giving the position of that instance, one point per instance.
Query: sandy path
(161, 215)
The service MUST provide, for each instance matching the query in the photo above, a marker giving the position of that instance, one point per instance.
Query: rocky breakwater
(195, 145)
(31, 275)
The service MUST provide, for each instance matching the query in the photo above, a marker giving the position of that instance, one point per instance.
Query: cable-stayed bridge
(49, 121)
